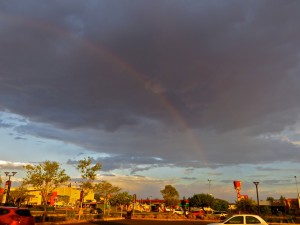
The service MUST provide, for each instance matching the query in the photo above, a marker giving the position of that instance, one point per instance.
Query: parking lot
(146, 222)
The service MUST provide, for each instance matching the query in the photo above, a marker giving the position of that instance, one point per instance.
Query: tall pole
(297, 191)
(256, 184)
(209, 184)
(9, 175)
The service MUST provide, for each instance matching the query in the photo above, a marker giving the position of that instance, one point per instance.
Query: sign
(134, 198)
(7, 184)
(237, 184)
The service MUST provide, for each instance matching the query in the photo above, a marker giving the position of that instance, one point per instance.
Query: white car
(180, 212)
(219, 215)
(242, 219)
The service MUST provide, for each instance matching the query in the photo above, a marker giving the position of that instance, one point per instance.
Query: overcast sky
(195, 94)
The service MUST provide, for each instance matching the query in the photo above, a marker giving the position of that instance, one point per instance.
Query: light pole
(256, 184)
(297, 191)
(150, 202)
(209, 185)
(9, 175)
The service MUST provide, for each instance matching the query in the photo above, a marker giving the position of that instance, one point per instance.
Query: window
(3, 211)
(252, 220)
(236, 220)
(23, 212)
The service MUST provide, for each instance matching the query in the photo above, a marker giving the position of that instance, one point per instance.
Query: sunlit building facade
(61, 196)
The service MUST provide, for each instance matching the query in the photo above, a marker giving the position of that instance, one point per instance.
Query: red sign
(134, 198)
(237, 184)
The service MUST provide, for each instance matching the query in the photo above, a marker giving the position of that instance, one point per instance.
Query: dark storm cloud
(131, 76)
(189, 178)
(125, 162)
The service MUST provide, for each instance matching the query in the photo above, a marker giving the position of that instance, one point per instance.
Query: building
(61, 196)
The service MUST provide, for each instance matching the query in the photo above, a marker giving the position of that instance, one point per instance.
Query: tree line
(48, 175)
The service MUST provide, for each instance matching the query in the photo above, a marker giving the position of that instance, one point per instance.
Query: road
(145, 222)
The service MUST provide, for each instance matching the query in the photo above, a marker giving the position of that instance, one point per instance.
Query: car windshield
(23, 212)
(252, 220)
(235, 220)
(3, 211)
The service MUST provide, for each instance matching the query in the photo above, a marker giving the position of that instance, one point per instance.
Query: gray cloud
(193, 83)
(4, 124)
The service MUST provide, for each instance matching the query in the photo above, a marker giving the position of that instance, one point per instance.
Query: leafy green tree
(271, 199)
(282, 200)
(1, 185)
(220, 205)
(45, 177)
(19, 195)
(170, 196)
(246, 206)
(121, 199)
(88, 172)
(265, 210)
(282, 203)
(106, 190)
(201, 200)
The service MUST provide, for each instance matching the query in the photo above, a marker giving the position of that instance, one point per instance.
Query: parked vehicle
(96, 211)
(180, 212)
(242, 219)
(15, 216)
(167, 209)
(197, 213)
(219, 215)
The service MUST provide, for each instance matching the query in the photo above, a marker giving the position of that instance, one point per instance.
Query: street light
(8, 183)
(209, 185)
(256, 184)
(297, 191)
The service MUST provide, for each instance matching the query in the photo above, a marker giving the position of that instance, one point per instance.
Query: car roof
(12, 207)
(245, 215)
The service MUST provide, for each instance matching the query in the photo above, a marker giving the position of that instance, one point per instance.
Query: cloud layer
(188, 84)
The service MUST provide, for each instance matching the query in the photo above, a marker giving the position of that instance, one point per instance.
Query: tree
(246, 206)
(45, 177)
(121, 199)
(271, 199)
(1, 185)
(106, 190)
(88, 175)
(170, 195)
(19, 195)
(282, 203)
(201, 200)
(220, 205)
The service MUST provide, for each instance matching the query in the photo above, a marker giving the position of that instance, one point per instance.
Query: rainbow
(116, 60)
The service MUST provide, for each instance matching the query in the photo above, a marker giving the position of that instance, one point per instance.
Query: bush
(191, 216)
(70, 215)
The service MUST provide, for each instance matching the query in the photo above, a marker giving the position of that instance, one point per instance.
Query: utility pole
(297, 191)
(256, 184)
(209, 185)
(8, 184)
